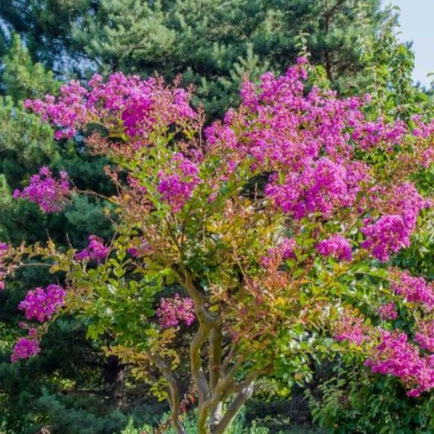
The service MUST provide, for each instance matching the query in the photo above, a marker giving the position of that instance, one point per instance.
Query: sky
(417, 25)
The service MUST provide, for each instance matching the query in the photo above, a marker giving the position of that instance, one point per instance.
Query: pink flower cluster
(386, 235)
(336, 246)
(49, 193)
(398, 357)
(284, 250)
(425, 335)
(391, 232)
(371, 134)
(323, 187)
(177, 182)
(388, 311)
(395, 354)
(175, 309)
(310, 144)
(422, 129)
(95, 251)
(141, 105)
(25, 348)
(304, 140)
(351, 329)
(41, 304)
(413, 289)
(3, 249)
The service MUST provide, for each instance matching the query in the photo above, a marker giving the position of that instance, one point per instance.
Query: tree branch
(235, 407)
(198, 375)
(209, 329)
(329, 13)
(173, 392)
(214, 368)
(215, 355)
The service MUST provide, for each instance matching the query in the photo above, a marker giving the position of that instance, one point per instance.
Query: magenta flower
(41, 304)
(425, 335)
(398, 357)
(391, 232)
(388, 311)
(320, 187)
(351, 329)
(142, 105)
(178, 181)
(414, 289)
(49, 193)
(336, 246)
(139, 247)
(388, 234)
(175, 309)
(284, 250)
(24, 349)
(95, 251)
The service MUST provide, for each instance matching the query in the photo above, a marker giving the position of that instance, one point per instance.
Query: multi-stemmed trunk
(220, 394)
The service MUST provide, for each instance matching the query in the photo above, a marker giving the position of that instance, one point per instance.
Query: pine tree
(21, 78)
(214, 43)
(25, 144)
(44, 25)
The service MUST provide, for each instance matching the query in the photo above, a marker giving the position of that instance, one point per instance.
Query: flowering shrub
(276, 222)
(396, 356)
(393, 353)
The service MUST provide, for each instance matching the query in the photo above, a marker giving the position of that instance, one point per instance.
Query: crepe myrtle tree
(276, 224)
